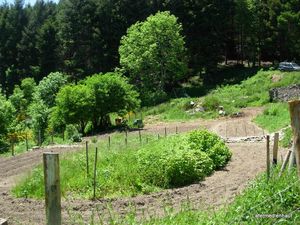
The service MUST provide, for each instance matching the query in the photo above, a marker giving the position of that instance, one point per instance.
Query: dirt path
(221, 187)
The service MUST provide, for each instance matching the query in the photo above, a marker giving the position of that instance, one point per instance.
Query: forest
(139, 51)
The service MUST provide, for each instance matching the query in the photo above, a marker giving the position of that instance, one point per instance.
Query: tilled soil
(220, 188)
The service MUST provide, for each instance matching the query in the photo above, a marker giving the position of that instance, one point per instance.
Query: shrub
(212, 144)
(73, 134)
(187, 167)
(182, 160)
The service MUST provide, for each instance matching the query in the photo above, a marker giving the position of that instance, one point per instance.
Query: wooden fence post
(26, 142)
(165, 131)
(52, 188)
(285, 162)
(87, 158)
(295, 123)
(40, 138)
(275, 148)
(52, 137)
(12, 148)
(268, 157)
(95, 173)
(109, 142)
(140, 136)
(176, 130)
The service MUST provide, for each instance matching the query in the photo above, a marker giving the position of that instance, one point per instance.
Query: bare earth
(248, 160)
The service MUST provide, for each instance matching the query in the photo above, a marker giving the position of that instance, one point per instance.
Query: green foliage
(39, 113)
(49, 87)
(287, 139)
(72, 133)
(27, 86)
(278, 113)
(6, 114)
(127, 170)
(211, 144)
(188, 167)
(182, 160)
(153, 54)
(73, 106)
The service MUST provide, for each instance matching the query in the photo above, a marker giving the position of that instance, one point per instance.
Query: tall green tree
(80, 38)
(153, 53)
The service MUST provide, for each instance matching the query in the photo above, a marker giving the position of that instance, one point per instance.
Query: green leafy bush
(211, 144)
(182, 160)
(73, 134)
(187, 167)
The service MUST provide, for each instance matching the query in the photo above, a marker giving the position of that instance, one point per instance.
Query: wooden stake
(140, 136)
(165, 131)
(12, 148)
(109, 142)
(26, 142)
(176, 130)
(95, 173)
(245, 128)
(52, 138)
(295, 123)
(285, 162)
(275, 148)
(52, 188)
(87, 158)
(268, 157)
(40, 138)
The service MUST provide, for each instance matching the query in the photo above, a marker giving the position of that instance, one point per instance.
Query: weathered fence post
(52, 137)
(108, 142)
(275, 148)
(285, 162)
(12, 148)
(126, 138)
(95, 173)
(40, 138)
(26, 142)
(165, 131)
(295, 123)
(140, 136)
(87, 158)
(52, 188)
(268, 157)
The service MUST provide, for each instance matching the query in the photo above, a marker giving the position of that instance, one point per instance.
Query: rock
(285, 93)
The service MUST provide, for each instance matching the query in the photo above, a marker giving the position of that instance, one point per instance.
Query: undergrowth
(134, 169)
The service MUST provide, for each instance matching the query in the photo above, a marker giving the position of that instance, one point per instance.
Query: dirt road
(220, 188)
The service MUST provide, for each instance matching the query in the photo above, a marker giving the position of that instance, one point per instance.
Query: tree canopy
(153, 53)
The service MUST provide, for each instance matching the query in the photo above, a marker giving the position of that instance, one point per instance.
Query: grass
(274, 117)
(253, 91)
(276, 201)
(20, 147)
(135, 169)
(117, 171)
